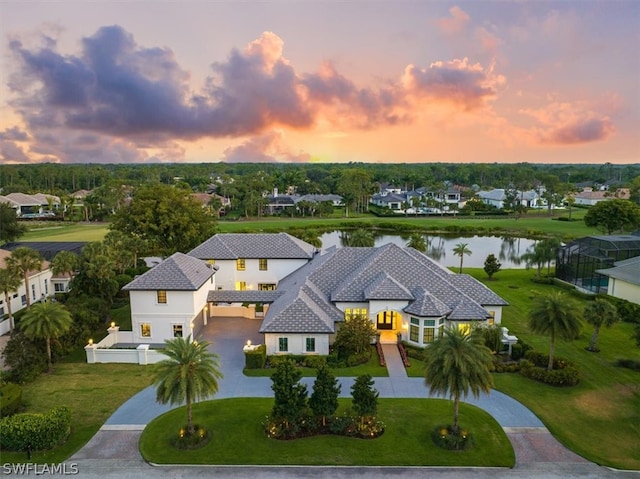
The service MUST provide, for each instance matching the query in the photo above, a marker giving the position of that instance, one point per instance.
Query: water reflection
(440, 248)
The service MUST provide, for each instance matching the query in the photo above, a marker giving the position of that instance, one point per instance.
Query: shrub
(10, 399)
(444, 437)
(35, 432)
(565, 373)
(414, 352)
(25, 358)
(381, 359)
(358, 358)
(627, 311)
(257, 358)
(314, 362)
(629, 363)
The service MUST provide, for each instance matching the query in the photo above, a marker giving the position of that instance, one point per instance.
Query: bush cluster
(10, 399)
(299, 360)
(347, 425)
(257, 358)
(412, 351)
(185, 441)
(565, 373)
(629, 364)
(627, 311)
(403, 355)
(444, 437)
(35, 432)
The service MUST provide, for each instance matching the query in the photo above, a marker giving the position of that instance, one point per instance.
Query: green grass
(238, 437)
(67, 232)
(534, 223)
(372, 367)
(92, 391)
(600, 417)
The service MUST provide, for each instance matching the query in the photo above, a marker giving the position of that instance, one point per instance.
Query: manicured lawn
(238, 437)
(532, 223)
(372, 367)
(92, 391)
(67, 232)
(600, 417)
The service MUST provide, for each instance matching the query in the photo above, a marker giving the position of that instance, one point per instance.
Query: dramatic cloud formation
(567, 124)
(269, 147)
(456, 23)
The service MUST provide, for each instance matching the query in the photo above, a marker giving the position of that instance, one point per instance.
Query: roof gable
(178, 272)
(385, 287)
(263, 245)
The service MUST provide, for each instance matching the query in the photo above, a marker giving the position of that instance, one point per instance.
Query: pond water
(508, 250)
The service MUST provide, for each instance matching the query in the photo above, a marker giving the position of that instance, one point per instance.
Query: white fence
(4, 327)
(103, 352)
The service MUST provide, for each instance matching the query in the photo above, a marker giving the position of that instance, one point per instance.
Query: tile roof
(232, 296)
(387, 272)
(178, 272)
(263, 245)
(23, 199)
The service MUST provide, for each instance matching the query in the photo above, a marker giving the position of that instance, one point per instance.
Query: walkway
(113, 451)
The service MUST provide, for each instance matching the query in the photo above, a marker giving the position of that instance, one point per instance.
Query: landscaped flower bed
(381, 359)
(403, 355)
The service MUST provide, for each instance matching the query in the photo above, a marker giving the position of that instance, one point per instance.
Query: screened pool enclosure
(578, 261)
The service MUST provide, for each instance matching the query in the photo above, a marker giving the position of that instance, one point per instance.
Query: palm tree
(46, 320)
(556, 315)
(460, 250)
(189, 374)
(64, 262)
(416, 241)
(10, 281)
(360, 238)
(599, 313)
(456, 364)
(25, 260)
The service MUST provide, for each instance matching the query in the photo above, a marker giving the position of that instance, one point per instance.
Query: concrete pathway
(113, 451)
(392, 357)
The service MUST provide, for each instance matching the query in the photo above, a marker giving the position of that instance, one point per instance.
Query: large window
(353, 312)
(241, 285)
(283, 345)
(145, 330)
(428, 335)
(262, 264)
(266, 287)
(414, 333)
(240, 264)
(425, 331)
(162, 296)
(58, 287)
(310, 344)
(177, 330)
(492, 318)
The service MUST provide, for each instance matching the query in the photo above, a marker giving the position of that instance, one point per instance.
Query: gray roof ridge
(364, 263)
(178, 263)
(303, 245)
(379, 280)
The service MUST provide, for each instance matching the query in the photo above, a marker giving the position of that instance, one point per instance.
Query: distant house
(205, 200)
(528, 199)
(590, 197)
(393, 201)
(336, 200)
(40, 286)
(32, 206)
(624, 279)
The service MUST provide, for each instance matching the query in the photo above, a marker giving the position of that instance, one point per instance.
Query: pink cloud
(454, 24)
(458, 82)
(269, 147)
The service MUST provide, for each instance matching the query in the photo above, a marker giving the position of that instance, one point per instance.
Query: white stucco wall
(182, 307)
(498, 313)
(624, 290)
(227, 275)
(39, 281)
(297, 343)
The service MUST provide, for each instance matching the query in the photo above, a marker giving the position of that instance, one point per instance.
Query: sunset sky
(319, 81)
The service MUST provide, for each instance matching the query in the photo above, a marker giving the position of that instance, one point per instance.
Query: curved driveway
(113, 452)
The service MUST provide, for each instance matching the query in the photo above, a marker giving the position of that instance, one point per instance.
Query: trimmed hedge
(565, 373)
(10, 399)
(627, 311)
(255, 359)
(35, 432)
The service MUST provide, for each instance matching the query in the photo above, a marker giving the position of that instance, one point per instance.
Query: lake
(440, 248)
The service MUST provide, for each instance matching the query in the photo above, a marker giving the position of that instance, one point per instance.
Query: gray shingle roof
(385, 273)
(263, 245)
(627, 270)
(178, 272)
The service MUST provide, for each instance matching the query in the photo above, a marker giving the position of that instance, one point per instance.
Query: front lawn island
(238, 437)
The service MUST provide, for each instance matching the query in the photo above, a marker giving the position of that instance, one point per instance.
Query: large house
(310, 292)
(40, 286)
(32, 206)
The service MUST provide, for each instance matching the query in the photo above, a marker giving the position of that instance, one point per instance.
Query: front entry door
(385, 320)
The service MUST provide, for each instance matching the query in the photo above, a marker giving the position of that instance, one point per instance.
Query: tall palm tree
(460, 250)
(25, 260)
(359, 238)
(599, 313)
(10, 281)
(557, 316)
(189, 374)
(456, 364)
(417, 241)
(46, 320)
